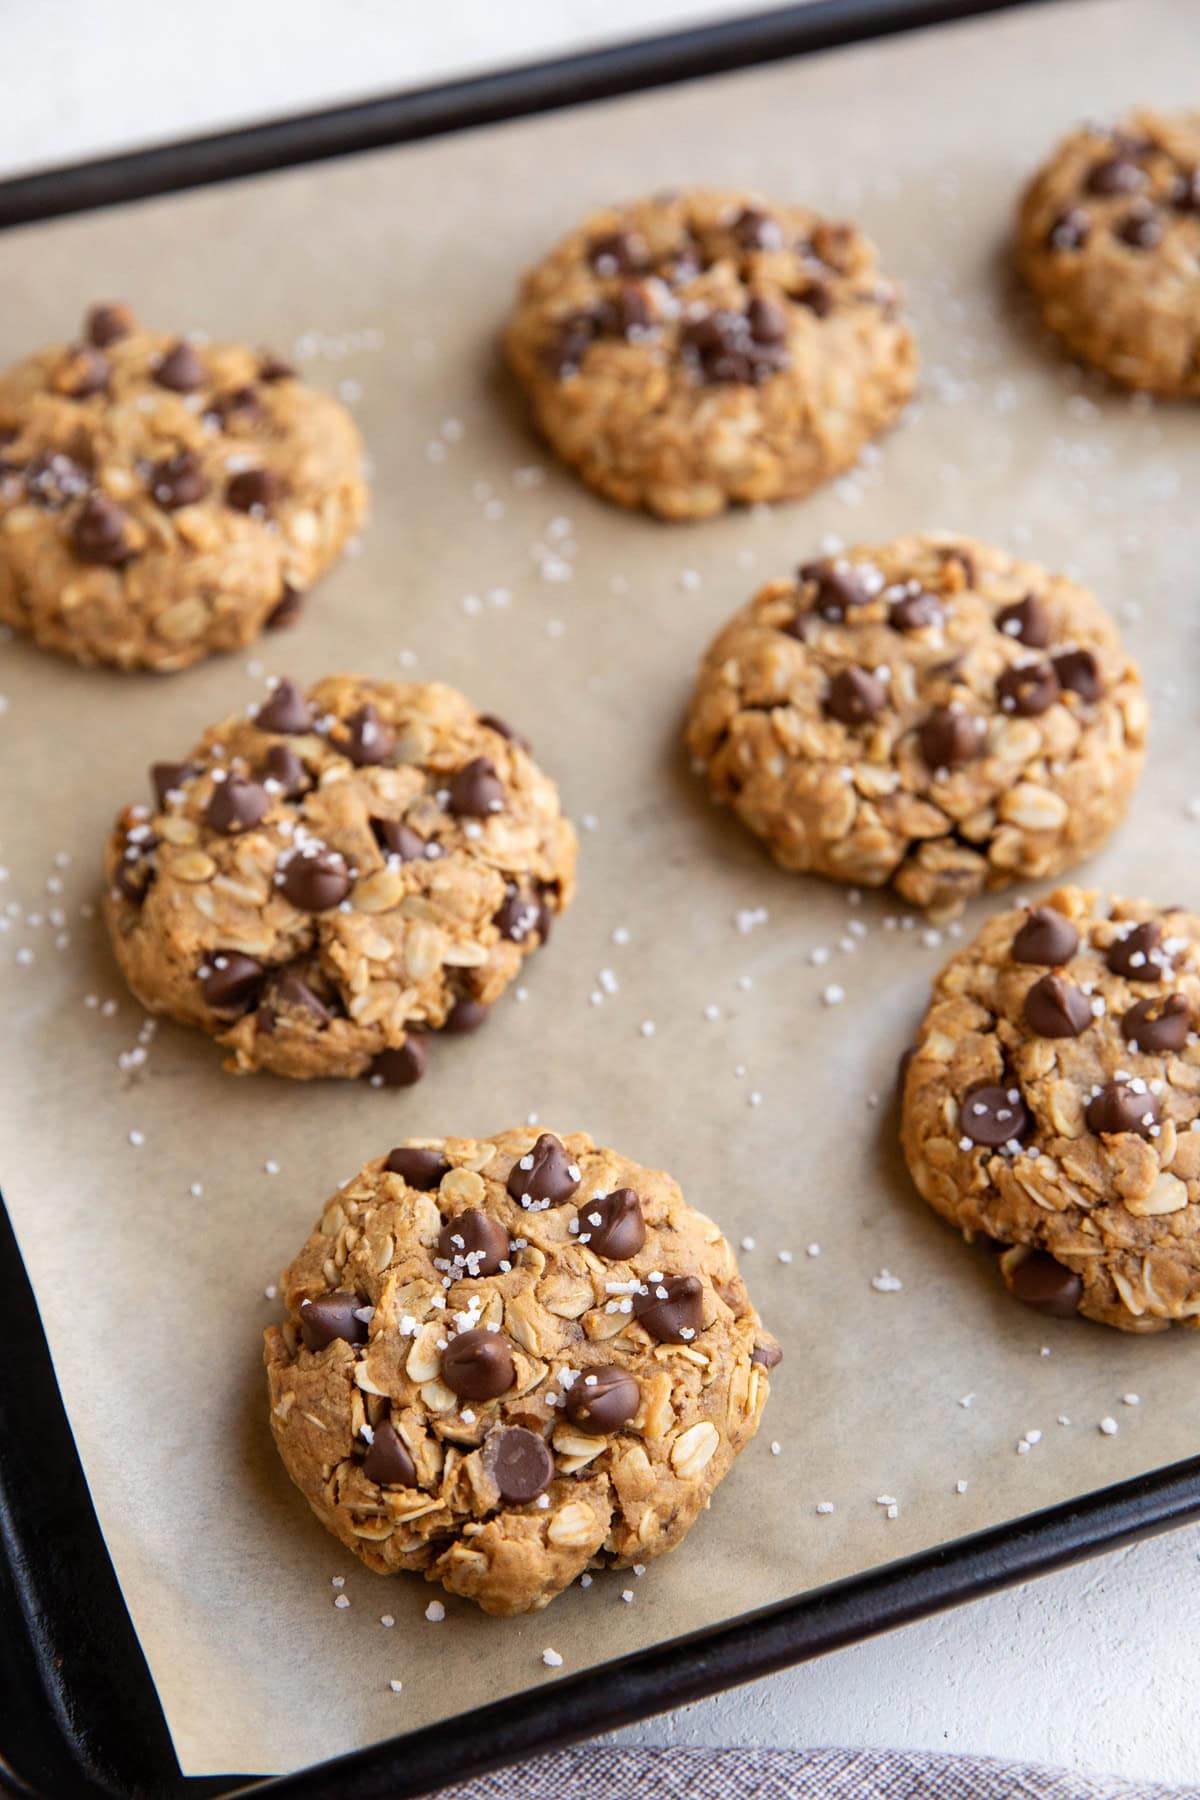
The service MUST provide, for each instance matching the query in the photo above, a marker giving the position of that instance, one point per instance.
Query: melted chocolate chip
(421, 1168)
(602, 1399)
(1041, 1282)
(168, 778)
(767, 320)
(1079, 672)
(388, 1461)
(1115, 175)
(1028, 689)
(402, 1067)
(54, 478)
(235, 805)
(1134, 955)
(230, 981)
(495, 723)
(253, 490)
(396, 838)
(1141, 229)
(755, 229)
(950, 737)
(315, 880)
(476, 791)
(332, 1316)
(473, 1244)
(618, 253)
(518, 1461)
(273, 368)
(240, 405)
(839, 591)
(722, 348)
(767, 1356)
(82, 373)
(800, 627)
(478, 1365)
(178, 481)
(1118, 1107)
(1158, 1025)
(567, 348)
(135, 873)
(1069, 231)
(855, 697)
(180, 369)
(672, 1308)
(630, 312)
(817, 296)
(282, 765)
(916, 612)
(99, 534)
(368, 740)
(286, 610)
(1055, 1008)
(292, 994)
(1046, 937)
(1027, 620)
(545, 1175)
(109, 322)
(466, 1015)
(612, 1225)
(517, 917)
(991, 1115)
(286, 710)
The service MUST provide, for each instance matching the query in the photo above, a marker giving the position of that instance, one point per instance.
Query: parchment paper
(583, 625)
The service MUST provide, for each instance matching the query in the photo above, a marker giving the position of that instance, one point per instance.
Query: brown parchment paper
(390, 274)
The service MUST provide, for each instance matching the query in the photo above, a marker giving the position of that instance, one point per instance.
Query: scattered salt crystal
(552, 1659)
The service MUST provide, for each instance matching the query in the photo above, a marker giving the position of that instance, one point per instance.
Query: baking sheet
(156, 1198)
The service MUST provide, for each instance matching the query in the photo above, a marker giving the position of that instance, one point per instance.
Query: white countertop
(1096, 1668)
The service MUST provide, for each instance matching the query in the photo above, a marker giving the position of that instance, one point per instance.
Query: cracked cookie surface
(160, 499)
(328, 879)
(1109, 241)
(1052, 1104)
(695, 350)
(510, 1359)
(932, 713)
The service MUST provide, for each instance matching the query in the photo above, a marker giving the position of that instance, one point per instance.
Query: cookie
(1109, 241)
(694, 350)
(327, 879)
(933, 714)
(507, 1360)
(160, 499)
(1052, 1105)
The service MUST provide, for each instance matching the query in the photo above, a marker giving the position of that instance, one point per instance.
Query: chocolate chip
(612, 1225)
(478, 1365)
(855, 697)
(292, 994)
(388, 1461)
(630, 312)
(800, 627)
(396, 838)
(1028, 689)
(82, 373)
(1079, 671)
(180, 369)
(1069, 231)
(618, 253)
(602, 1399)
(99, 533)
(1115, 175)
(1055, 1008)
(286, 710)
(518, 1462)
(916, 612)
(367, 741)
(767, 320)
(672, 1308)
(239, 404)
(54, 478)
(332, 1316)
(545, 1175)
(474, 1244)
(517, 917)
(839, 591)
(167, 778)
(404, 1066)
(817, 296)
(1136, 955)
(286, 610)
(767, 1356)
(950, 737)
(1185, 191)
(566, 350)
(273, 368)
(135, 873)
(253, 490)
(721, 347)
(1140, 230)
(991, 1115)
(421, 1168)
(466, 1015)
(1156, 1025)
(833, 242)
(1119, 1107)
(476, 790)
(282, 765)
(755, 229)
(495, 723)
(178, 481)
(236, 805)
(1046, 937)
(1041, 1282)
(1027, 620)
(107, 323)
(230, 982)
(315, 880)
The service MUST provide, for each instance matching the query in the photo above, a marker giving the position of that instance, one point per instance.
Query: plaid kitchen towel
(700, 1774)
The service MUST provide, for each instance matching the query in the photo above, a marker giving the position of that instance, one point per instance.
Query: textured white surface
(1096, 1668)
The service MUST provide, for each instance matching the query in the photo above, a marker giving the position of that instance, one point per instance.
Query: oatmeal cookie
(511, 1359)
(161, 500)
(329, 878)
(699, 349)
(1052, 1105)
(933, 714)
(1109, 241)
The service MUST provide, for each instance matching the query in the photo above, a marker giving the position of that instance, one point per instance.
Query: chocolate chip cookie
(933, 714)
(325, 881)
(699, 349)
(162, 499)
(1109, 241)
(1052, 1105)
(510, 1359)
